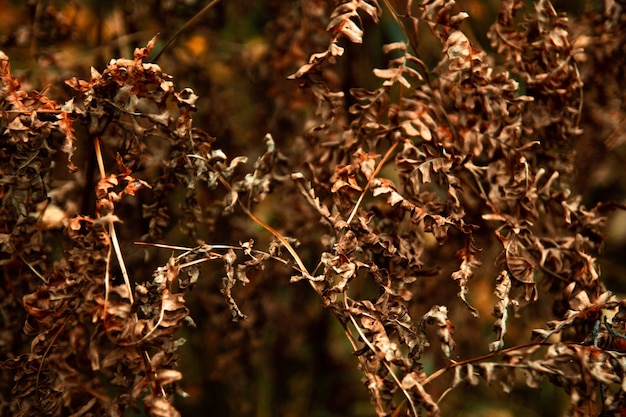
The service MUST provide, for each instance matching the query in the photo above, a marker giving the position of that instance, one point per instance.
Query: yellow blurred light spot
(197, 45)
(53, 217)
(255, 49)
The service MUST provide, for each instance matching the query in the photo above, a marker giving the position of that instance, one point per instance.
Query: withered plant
(436, 198)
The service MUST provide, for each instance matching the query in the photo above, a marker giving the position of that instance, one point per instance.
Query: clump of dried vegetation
(413, 206)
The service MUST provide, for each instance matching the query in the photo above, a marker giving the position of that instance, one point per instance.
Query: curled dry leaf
(437, 316)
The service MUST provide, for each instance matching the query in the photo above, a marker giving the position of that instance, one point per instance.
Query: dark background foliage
(290, 355)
